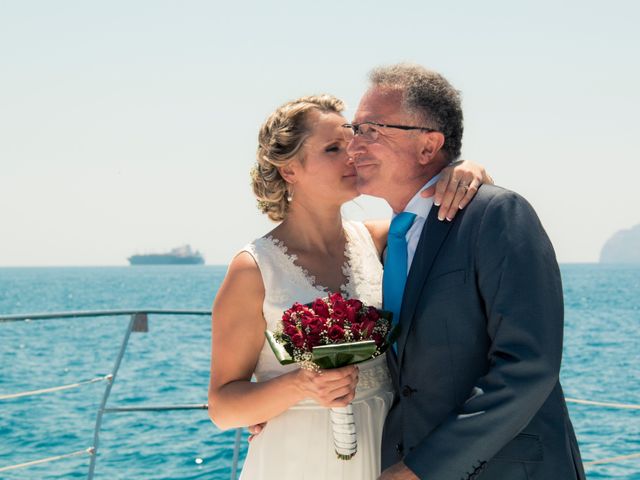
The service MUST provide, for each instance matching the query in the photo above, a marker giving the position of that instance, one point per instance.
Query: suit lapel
(433, 234)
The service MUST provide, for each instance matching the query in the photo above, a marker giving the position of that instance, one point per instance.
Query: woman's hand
(457, 185)
(330, 388)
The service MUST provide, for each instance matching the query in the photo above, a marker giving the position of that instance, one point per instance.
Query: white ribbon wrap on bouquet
(344, 431)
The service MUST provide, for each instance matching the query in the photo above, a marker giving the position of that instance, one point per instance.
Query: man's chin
(367, 187)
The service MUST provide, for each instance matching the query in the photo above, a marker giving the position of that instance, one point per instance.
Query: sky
(130, 126)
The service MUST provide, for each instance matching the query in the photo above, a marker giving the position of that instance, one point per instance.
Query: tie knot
(401, 224)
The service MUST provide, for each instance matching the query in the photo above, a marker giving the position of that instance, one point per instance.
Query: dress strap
(360, 233)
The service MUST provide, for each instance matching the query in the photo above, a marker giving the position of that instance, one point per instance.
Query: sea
(169, 365)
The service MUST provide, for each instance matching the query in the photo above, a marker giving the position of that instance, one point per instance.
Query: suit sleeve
(519, 281)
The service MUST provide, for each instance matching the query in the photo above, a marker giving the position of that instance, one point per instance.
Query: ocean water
(170, 365)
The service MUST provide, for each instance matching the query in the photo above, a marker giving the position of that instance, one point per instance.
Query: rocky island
(622, 247)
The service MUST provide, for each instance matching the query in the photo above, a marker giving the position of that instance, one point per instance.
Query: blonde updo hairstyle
(281, 140)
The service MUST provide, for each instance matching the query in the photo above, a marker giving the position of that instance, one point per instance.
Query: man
(478, 357)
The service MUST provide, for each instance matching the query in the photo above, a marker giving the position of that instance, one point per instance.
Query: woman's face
(326, 175)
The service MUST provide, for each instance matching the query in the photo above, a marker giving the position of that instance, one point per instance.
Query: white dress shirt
(421, 207)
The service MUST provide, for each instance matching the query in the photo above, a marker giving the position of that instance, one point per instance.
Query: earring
(289, 194)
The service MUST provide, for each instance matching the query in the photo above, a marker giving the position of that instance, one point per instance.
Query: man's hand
(399, 471)
(255, 430)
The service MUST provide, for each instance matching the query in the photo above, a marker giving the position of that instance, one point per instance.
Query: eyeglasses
(369, 132)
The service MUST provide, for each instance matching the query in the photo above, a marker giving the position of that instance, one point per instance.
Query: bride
(302, 178)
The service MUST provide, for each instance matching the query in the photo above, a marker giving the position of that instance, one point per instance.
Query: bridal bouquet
(332, 332)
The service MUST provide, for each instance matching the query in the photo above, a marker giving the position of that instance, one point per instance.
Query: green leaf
(334, 356)
(278, 350)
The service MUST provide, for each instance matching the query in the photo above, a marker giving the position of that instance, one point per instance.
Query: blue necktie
(395, 266)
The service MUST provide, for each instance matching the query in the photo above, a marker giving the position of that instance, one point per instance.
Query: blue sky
(131, 126)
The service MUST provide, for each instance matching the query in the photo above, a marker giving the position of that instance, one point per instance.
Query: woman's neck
(309, 228)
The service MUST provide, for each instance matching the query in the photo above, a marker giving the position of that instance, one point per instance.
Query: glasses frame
(355, 127)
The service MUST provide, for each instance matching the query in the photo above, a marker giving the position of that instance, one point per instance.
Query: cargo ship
(183, 255)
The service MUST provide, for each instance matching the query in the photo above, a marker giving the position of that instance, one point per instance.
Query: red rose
(306, 315)
(336, 333)
(372, 314)
(355, 304)
(356, 330)
(290, 330)
(352, 313)
(336, 297)
(313, 340)
(379, 339)
(340, 310)
(321, 308)
(298, 312)
(338, 321)
(296, 307)
(298, 340)
(313, 325)
(367, 328)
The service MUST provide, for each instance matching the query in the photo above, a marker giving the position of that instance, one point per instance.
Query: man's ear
(430, 146)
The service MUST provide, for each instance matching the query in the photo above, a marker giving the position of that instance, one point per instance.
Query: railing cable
(612, 459)
(89, 451)
(625, 406)
(157, 408)
(54, 389)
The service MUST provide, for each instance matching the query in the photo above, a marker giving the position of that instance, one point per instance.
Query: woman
(302, 178)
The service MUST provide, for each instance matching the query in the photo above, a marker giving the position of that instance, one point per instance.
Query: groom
(478, 357)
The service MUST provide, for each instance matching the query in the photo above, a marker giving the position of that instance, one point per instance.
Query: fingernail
(440, 218)
(437, 204)
(460, 207)
(448, 219)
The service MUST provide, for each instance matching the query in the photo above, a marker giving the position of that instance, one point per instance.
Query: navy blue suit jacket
(478, 357)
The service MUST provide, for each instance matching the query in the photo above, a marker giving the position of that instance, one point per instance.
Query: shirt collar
(420, 205)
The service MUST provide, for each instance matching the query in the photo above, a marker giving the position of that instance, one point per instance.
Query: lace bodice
(285, 282)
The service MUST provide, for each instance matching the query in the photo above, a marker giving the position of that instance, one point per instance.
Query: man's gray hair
(429, 95)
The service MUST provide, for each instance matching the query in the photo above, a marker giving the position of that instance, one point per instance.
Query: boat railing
(138, 322)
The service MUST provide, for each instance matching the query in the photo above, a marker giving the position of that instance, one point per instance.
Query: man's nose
(355, 146)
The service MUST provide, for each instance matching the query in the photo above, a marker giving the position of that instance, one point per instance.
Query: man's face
(389, 165)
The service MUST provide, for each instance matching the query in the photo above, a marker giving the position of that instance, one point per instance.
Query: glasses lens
(347, 131)
(368, 132)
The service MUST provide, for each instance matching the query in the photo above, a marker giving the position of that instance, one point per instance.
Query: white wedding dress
(298, 444)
